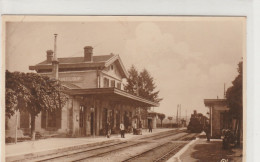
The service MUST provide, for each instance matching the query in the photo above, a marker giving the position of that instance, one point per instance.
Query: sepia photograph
(124, 88)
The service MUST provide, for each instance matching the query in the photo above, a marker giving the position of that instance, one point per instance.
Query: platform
(50, 145)
(204, 151)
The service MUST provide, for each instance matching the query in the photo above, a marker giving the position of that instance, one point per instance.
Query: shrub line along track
(80, 154)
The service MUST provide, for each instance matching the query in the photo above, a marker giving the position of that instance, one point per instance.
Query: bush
(229, 138)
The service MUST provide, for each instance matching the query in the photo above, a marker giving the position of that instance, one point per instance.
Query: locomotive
(197, 122)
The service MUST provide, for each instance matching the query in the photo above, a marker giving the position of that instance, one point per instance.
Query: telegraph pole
(177, 115)
(224, 90)
(180, 111)
(186, 115)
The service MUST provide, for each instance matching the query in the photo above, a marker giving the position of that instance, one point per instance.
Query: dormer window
(112, 67)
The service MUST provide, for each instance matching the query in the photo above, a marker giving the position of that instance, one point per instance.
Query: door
(126, 120)
(92, 123)
(82, 121)
(117, 119)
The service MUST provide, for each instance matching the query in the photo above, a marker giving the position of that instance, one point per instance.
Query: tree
(234, 97)
(161, 117)
(147, 87)
(132, 81)
(32, 93)
(142, 84)
(11, 102)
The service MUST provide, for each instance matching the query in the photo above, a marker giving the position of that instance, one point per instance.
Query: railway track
(79, 155)
(163, 151)
(87, 154)
(164, 135)
(158, 136)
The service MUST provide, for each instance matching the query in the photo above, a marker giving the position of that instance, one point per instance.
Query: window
(104, 118)
(51, 119)
(51, 122)
(113, 83)
(106, 82)
(118, 85)
(24, 120)
(112, 67)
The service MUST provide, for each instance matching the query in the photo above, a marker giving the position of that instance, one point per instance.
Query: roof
(212, 102)
(65, 60)
(100, 61)
(69, 85)
(113, 94)
(153, 112)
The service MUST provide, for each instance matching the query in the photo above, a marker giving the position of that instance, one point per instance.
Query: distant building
(218, 116)
(152, 118)
(96, 96)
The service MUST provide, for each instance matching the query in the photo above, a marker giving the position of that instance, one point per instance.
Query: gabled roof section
(119, 62)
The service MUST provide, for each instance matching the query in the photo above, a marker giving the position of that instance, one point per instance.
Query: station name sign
(71, 78)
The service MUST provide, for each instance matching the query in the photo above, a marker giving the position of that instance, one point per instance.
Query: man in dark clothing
(108, 130)
(122, 130)
(135, 129)
(150, 127)
(140, 127)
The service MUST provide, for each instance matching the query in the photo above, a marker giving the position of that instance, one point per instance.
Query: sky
(190, 58)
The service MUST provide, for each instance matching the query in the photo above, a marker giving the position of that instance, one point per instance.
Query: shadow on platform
(211, 151)
(204, 151)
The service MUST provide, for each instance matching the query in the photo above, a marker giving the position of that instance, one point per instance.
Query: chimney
(49, 56)
(88, 53)
(55, 62)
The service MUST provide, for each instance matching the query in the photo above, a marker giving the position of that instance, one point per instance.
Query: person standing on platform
(135, 128)
(140, 126)
(207, 131)
(150, 127)
(108, 130)
(122, 130)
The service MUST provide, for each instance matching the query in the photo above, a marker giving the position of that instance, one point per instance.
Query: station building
(218, 116)
(96, 97)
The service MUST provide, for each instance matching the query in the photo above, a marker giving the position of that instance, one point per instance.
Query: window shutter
(58, 119)
(43, 119)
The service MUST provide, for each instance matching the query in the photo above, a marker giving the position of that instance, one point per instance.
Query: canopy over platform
(212, 102)
(113, 94)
